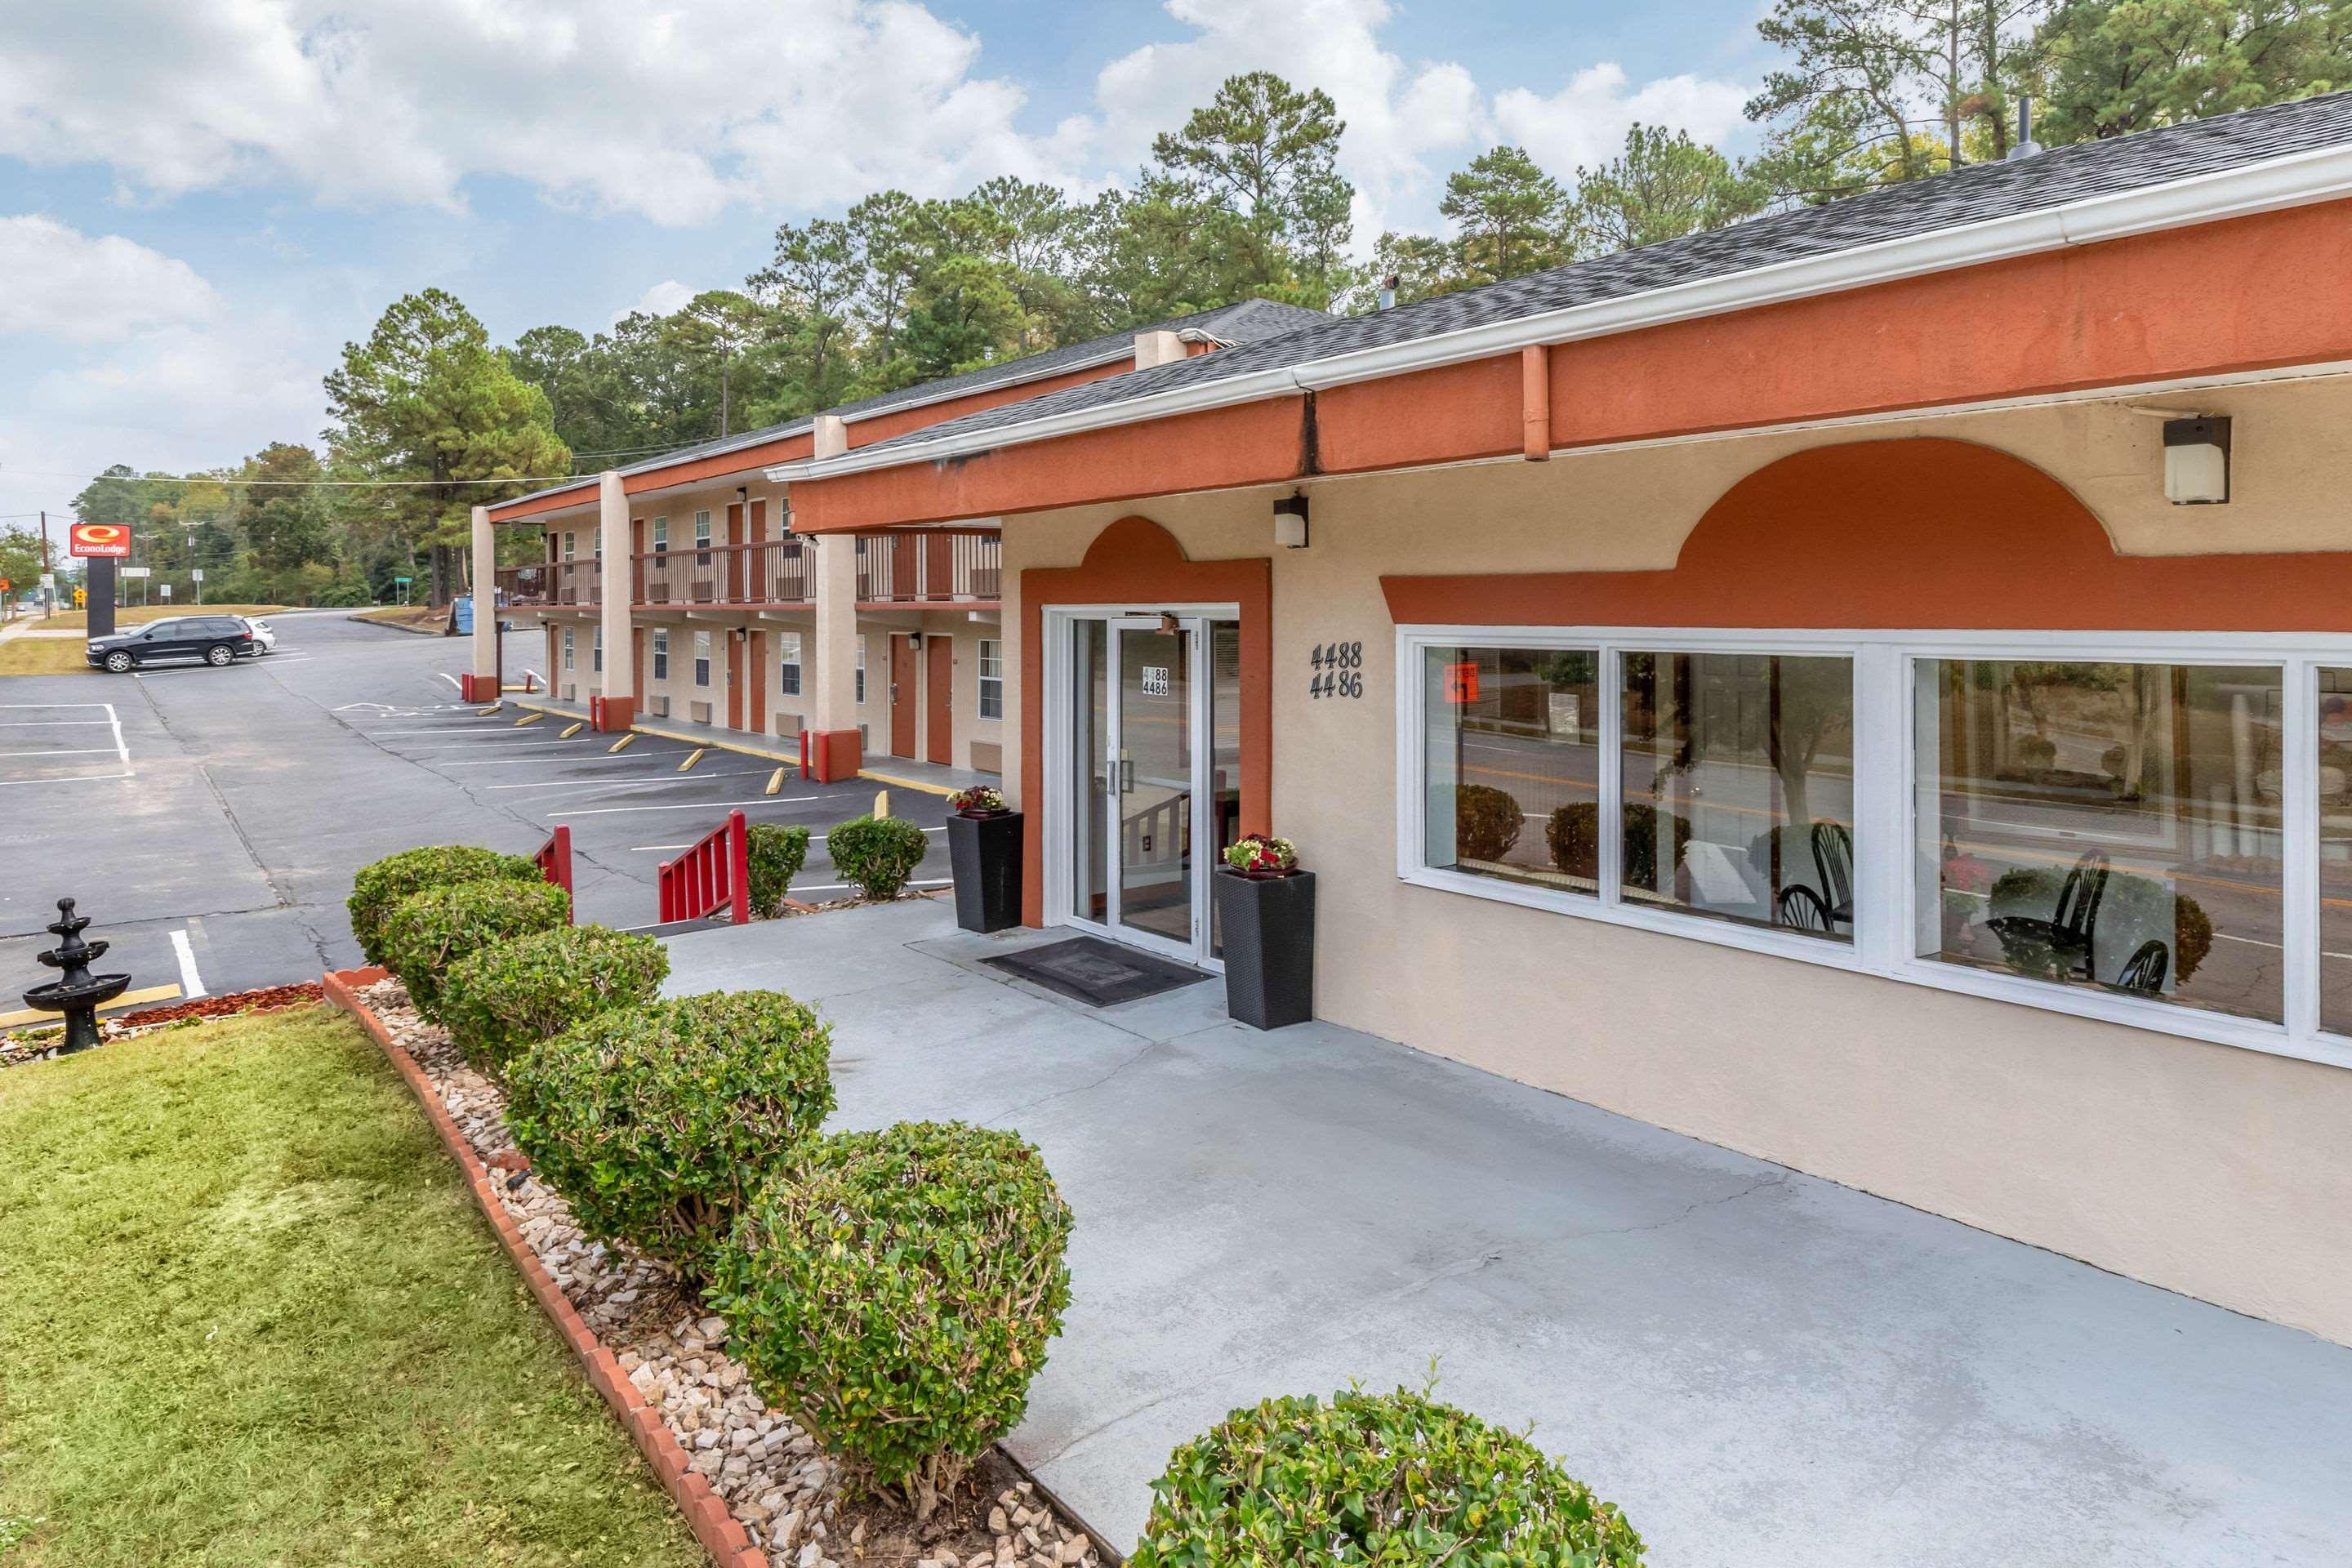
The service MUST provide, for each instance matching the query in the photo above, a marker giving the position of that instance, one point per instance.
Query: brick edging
(721, 1534)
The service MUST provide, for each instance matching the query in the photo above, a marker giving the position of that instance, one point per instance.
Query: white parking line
(71, 778)
(566, 761)
(44, 724)
(275, 660)
(699, 805)
(74, 751)
(113, 721)
(484, 746)
(191, 986)
(449, 678)
(667, 778)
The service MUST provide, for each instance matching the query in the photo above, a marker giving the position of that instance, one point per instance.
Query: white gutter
(2296, 180)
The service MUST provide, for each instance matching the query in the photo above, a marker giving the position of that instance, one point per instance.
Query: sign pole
(98, 578)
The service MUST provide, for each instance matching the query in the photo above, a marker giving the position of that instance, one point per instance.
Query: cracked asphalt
(235, 805)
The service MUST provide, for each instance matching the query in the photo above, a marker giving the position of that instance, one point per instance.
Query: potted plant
(1266, 908)
(984, 848)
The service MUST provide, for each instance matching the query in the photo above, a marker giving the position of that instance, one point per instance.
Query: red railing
(554, 859)
(715, 874)
(774, 572)
(929, 566)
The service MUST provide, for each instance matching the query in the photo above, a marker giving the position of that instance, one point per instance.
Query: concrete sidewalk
(1760, 1366)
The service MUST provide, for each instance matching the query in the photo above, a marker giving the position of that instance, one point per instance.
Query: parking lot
(210, 820)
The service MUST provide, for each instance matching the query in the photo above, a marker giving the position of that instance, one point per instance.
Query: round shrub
(1574, 836)
(429, 932)
(879, 854)
(501, 1001)
(1487, 822)
(1393, 1478)
(896, 1289)
(656, 1123)
(381, 885)
(777, 854)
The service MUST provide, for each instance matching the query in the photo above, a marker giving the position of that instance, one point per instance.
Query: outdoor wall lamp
(914, 639)
(2197, 460)
(1290, 522)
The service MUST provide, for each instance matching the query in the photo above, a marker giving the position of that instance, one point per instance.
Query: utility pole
(46, 602)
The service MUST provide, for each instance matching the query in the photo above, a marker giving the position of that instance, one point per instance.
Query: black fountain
(78, 993)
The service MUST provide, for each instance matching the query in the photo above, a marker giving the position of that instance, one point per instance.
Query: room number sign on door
(1338, 670)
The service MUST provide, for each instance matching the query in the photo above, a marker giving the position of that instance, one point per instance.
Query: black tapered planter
(985, 852)
(1268, 925)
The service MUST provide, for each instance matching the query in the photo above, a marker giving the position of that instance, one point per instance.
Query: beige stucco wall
(2223, 1173)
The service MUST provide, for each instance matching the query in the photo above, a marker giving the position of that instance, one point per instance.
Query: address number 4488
(1338, 670)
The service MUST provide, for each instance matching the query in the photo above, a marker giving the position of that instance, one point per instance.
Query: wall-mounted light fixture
(1290, 522)
(2197, 460)
(914, 640)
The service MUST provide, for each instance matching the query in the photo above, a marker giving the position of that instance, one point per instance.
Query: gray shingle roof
(1968, 195)
(1237, 324)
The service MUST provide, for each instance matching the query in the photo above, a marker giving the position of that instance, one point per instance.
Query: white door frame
(1059, 818)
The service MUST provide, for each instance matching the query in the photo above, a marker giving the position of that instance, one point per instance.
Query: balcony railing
(550, 583)
(773, 573)
(929, 567)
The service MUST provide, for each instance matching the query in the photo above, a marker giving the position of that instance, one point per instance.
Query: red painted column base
(478, 688)
(834, 755)
(611, 714)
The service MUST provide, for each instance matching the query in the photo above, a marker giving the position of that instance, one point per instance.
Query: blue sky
(199, 204)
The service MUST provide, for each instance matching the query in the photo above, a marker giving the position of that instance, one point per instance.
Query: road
(210, 820)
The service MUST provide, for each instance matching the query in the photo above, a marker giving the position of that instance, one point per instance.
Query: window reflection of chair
(1801, 908)
(2146, 970)
(1833, 858)
(2061, 944)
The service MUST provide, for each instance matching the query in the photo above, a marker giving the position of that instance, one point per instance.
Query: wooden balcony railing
(550, 583)
(928, 566)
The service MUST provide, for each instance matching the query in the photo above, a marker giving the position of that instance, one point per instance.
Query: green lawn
(249, 1316)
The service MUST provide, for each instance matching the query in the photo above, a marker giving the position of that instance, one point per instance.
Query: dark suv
(216, 639)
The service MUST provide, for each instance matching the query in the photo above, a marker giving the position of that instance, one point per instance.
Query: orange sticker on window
(1461, 683)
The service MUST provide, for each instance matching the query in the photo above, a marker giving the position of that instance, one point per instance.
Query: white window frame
(702, 659)
(568, 635)
(991, 652)
(570, 545)
(661, 536)
(661, 653)
(1885, 893)
(788, 656)
(861, 670)
(596, 650)
(702, 531)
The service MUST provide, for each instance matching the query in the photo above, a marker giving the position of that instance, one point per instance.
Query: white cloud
(64, 284)
(672, 114)
(663, 298)
(1585, 121)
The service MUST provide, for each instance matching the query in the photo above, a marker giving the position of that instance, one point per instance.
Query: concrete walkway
(1761, 1367)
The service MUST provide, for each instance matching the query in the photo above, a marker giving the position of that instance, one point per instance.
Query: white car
(261, 633)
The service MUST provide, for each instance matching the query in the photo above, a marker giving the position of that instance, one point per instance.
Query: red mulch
(259, 1001)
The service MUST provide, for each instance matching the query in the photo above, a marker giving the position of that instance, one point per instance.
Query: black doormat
(1099, 974)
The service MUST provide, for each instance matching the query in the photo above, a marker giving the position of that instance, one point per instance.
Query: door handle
(1126, 776)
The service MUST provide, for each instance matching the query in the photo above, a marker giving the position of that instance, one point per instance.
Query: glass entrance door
(1148, 789)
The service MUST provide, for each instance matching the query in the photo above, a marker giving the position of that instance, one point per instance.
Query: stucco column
(616, 588)
(484, 685)
(833, 707)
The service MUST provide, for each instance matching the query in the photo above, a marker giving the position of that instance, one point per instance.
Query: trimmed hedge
(1392, 1480)
(657, 1123)
(1487, 822)
(428, 933)
(879, 854)
(383, 883)
(896, 1291)
(501, 1001)
(1574, 836)
(777, 854)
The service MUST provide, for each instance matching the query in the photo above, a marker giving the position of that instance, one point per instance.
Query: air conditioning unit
(698, 712)
(571, 692)
(788, 725)
(657, 704)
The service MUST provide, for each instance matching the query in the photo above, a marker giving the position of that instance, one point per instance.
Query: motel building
(671, 595)
(1871, 687)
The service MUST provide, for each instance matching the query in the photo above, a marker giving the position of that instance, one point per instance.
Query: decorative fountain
(78, 993)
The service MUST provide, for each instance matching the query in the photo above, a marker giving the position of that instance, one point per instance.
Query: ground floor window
(596, 650)
(788, 663)
(992, 679)
(861, 663)
(568, 635)
(661, 653)
(2162, 834)
(702, 659)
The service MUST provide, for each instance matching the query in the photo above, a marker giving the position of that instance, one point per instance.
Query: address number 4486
(1338, 670)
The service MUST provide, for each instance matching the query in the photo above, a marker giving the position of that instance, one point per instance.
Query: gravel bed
(772, 1474)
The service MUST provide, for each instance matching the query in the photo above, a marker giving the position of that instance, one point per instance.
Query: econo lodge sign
(100, 539)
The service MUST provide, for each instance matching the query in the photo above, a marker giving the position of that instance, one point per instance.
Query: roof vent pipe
(2026, 145)
(1387, 292)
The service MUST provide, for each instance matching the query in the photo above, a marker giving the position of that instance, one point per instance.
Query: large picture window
(1737, 800)
(2155, 833)
(2105, 825)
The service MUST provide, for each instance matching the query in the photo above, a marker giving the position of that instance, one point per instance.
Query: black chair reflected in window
(2060, 945)
(2144, 972)
(1833, 858)
(1801, 908)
